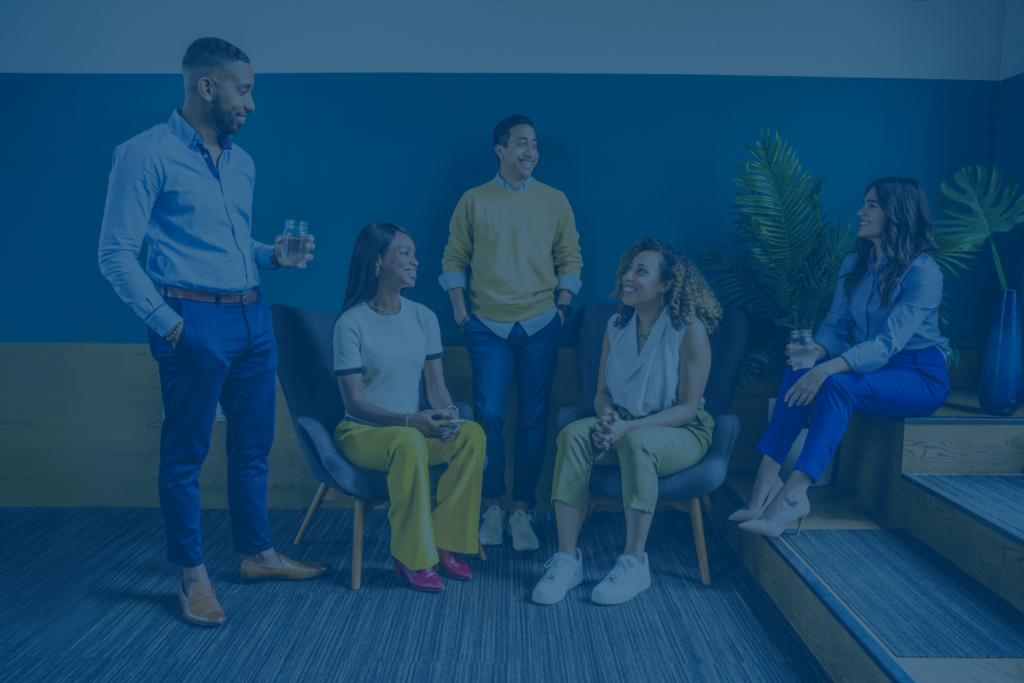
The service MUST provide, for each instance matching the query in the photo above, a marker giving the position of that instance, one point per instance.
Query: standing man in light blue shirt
(186, 188)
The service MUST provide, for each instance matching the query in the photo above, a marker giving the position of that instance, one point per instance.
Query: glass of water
(801, 349)
(295, 245)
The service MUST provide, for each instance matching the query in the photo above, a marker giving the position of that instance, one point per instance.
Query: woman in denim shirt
(887, 299)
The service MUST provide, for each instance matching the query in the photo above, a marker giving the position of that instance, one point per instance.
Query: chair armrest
(570, 414)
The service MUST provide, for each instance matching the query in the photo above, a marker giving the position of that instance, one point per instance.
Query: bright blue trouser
(225, 353)
(912, 384)
(492, 360)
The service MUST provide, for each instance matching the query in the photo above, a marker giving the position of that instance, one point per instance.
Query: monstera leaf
(979, 209)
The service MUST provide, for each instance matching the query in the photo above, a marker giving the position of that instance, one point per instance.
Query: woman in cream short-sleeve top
(382, 344)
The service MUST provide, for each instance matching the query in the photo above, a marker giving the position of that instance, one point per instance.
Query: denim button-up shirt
(911, 323)
(195, 216)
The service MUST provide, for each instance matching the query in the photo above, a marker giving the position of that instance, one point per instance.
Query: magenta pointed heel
(453, 566)
(419, 579)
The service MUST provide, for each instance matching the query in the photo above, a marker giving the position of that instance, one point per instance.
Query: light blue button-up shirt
(196, 217)
(911, 323)
(530, 325)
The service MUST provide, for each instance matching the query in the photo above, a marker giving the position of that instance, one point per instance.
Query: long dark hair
(906, 235)
(690, 296)
(373, 241)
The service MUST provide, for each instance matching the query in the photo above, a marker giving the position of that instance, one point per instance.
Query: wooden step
(841, 639)
(972, 537)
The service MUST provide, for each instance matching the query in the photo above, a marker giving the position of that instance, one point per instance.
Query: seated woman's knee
(471, 432)
(409, 443)
(577, 432)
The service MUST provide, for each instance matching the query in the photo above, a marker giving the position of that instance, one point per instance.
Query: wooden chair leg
(480, 552)
(358, 512)
(314, 507)
(698, 537)
(716, 528)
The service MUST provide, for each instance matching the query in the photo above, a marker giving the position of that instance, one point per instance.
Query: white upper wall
(1013, 39)
(932, 39)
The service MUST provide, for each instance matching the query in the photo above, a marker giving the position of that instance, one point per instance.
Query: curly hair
(690, 295)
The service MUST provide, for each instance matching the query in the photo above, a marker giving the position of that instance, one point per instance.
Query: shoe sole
(598, 602)
(562, 597)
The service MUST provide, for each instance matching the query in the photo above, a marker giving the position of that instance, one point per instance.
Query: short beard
(224, 119)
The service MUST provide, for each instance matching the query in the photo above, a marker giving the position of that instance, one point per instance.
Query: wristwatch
(273, 258)
(566, 310)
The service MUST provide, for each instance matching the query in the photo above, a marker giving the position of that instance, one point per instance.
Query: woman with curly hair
(650, 420)
(887, 299)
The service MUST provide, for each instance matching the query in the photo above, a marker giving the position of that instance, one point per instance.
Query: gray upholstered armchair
(687, 489)
(305, 366)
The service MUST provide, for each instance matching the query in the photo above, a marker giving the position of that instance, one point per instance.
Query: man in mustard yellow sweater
(518, 238)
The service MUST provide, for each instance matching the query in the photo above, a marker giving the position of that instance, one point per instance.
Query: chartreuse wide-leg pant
(643, 455)
(405, 454)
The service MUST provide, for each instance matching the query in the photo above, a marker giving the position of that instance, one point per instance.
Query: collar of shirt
(522, 188)
(191, 137)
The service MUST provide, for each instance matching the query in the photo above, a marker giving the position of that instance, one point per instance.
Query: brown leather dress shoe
(201, 607)
(290, 571)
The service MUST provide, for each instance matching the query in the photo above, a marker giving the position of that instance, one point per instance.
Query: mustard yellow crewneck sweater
(517, 244)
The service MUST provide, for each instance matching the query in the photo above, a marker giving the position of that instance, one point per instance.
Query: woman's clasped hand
(608, 430)
(431, 428)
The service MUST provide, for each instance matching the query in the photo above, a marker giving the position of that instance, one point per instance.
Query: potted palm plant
(980, 208)
(787, 276)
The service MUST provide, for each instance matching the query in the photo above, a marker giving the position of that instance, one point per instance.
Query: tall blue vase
(1001, 391)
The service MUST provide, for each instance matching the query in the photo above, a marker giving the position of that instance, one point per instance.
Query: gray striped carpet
(1001, 496)
(917, 601)
(88, 596)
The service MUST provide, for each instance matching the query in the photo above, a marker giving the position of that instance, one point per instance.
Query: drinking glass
(294, 246)
(801, 349)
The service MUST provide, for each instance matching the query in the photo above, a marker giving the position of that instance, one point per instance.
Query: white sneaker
(521, 532)
(627, 579)
(491, 532)
(563, 572)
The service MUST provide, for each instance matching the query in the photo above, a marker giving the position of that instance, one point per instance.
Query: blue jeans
(912, 384)
(225, 352)
(492, 359)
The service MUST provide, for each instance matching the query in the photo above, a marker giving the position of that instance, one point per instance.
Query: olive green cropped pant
(644, 455)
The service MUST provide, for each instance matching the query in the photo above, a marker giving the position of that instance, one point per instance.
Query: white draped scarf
(647, 381)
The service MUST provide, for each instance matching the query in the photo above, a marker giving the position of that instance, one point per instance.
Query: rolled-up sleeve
(921, 296)
(134, 185)
(261, 252)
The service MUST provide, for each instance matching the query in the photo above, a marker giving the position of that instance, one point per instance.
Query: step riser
(839, 652)
(963, 449)
(870, 467)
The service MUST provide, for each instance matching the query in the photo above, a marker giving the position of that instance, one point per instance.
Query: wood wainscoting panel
(80, 426)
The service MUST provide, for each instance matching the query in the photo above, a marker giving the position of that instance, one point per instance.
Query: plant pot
(1001, 391)
(794, 454)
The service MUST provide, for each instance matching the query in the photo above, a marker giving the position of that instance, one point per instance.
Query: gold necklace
(639, 334)
(382, 311)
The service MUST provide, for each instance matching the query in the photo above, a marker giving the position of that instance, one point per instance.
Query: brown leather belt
(249, 296)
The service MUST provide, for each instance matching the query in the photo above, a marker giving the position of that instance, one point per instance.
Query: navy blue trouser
(911, 384)
(226, 352)
(492, 360)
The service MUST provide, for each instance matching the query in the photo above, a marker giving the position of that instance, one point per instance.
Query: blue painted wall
(636, 155)
(1010, 157)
